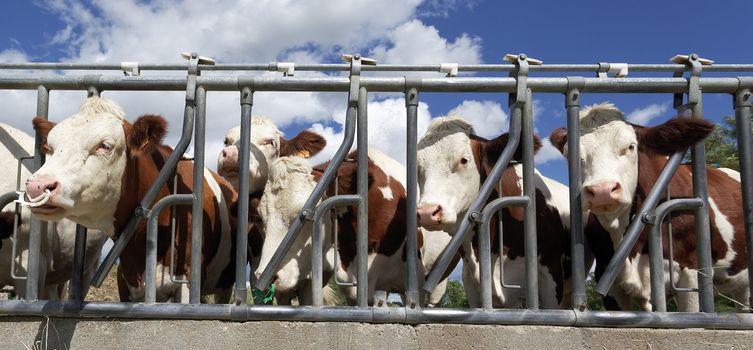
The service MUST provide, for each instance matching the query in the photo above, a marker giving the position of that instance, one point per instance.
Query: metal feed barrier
(609, 78)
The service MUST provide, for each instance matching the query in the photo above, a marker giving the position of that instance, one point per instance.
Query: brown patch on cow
(6, 225)
(145, 134)
(42, 128)
(306, 143)
(558, 138)
(672, 136)
(489, 151)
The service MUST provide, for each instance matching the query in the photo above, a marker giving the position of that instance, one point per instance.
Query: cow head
(289, 186)
(267, 143)
(452, 163)
(610, 149)
(87, 155)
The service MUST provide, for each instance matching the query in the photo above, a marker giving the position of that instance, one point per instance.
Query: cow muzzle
(228, 161)
(433, 216)
(603, 196)
(41, 192)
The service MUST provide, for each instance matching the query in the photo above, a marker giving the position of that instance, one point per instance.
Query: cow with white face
(620, 164)
(99, 168)
(267, 143)
(452, 164)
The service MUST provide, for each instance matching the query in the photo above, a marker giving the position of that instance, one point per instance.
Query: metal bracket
(355, 75)
(574, 85)
(520, 73)
(194, 60)
(287, 68)
(617, 70)
(130, 68)
(142, 212)
(695, 64)
(743, 96)
(450, 68)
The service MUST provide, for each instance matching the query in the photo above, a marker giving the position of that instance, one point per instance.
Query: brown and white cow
(98, 168)
(621, 162)
(291, 182)
(452, 164)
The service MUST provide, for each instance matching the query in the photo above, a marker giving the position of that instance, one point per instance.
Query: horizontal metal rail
(227, 312)
(374, 84)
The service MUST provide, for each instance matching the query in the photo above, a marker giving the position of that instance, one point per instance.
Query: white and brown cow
(452, 164)
(291, 182)
(57, 245)
(621, 163)
(99, 167)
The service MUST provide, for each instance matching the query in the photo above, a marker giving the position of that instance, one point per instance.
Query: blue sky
(400, 31)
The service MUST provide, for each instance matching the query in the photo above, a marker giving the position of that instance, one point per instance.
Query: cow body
(58, 242)
(621, 163)
(453, 162)
(288, 189)
(98, 177)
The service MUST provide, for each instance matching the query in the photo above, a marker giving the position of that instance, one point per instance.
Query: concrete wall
(42, 333)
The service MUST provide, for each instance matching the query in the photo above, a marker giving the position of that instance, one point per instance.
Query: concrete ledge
(67, 333)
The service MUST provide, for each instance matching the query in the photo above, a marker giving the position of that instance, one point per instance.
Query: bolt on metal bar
(317, 242)
(577, 260)
(79, 254)
(473, 214)
(656, 252)
(197, 211)
(165, 173)
(150, 289)
(241, 249)
(37, 226)
(743, 103)
(414, 270)
(362, 185)
(307, 211)
(636, 227)
(484, 245)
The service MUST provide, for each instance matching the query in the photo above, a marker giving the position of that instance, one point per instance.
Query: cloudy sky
(401, 31)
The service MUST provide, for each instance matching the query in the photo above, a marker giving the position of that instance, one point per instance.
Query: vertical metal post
(241, 249)
(411, 168)
(572, 104)
(656, 267)
(743, 105)
(79, 256)
(197, 211)
(362, 185)
(529, 190)
(700, 190)
(37, 227)
(485, 261)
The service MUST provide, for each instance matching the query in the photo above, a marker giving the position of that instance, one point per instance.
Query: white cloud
(487, 117)
(643, 116)
(414, 42)
(547, 153)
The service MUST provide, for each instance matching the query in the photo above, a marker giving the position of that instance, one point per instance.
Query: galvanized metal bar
(529, 190)
(307, 212)
(656, 252)
(165, 173)
(374, 84)
(700, 190)
(241, 248)
(79, 256)
(37, 227)
(197, 212)
(362, 185)
(577, 250)
(414, 270)
(634, 230)
(473, 214)
(484, 245)
(743, 114)
(150, 289)
(317, 242)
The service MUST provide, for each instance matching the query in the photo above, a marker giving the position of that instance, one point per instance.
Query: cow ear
(42, 128)
(305, 144)
(558, 138)
(146, 134)
(6, 225)
(674, 135)
(495, 147)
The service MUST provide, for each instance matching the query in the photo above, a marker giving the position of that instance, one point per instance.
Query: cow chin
(49, 212)
(287, 280)
(606, 209)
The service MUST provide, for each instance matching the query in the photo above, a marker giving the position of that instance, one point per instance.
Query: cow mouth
(229, 171)
(605, 209)
(46, 209)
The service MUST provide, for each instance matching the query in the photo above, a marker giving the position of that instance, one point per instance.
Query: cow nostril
(437, 211)
(52, 186)
(224, 154)
(616, 188)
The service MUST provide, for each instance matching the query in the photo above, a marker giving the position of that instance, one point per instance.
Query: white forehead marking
(261, 126)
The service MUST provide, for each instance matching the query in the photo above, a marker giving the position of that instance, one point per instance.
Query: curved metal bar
(656, 252)
(484, 243)
(150, 289)
(317, 241)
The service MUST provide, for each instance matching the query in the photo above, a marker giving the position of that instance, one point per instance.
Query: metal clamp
(130, 68)
(617, 70)
(520, 73)
(355, 75)
(286, 68)
(451, 69)
(695, 64)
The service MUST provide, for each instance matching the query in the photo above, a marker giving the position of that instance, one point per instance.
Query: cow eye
(104, 147)
(227, 142)
(631, 147)
(267, 142)
(464, 160)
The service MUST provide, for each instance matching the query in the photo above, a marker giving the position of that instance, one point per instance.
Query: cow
(452, 164)
(99, 167)
(620, 164)
(292, 180)
(57, 245)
